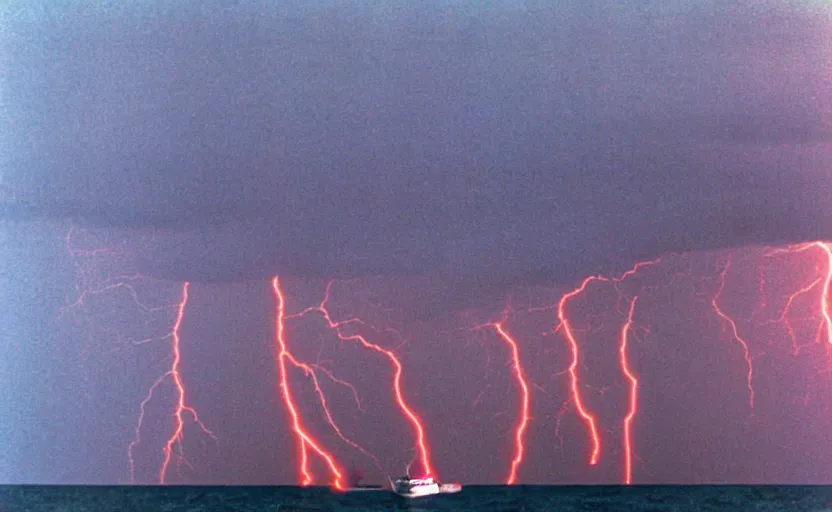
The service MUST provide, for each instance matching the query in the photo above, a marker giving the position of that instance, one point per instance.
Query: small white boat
(420, 487)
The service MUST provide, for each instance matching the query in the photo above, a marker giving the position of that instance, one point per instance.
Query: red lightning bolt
(406, 409)
(184, 413)
(735, 333)
(308, 369)
(181, 405)
(824, 298)
(784, 316)
(137, 439)
(333, 378)
(284, 355)
(573, 367)
(180, 408)
(588, 418)
(520, 375)
(631, 413)
(826, 247)
(91, 283)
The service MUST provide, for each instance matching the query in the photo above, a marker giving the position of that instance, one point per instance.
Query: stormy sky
(440, 161)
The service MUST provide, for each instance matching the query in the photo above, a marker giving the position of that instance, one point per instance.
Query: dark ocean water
(479, 498)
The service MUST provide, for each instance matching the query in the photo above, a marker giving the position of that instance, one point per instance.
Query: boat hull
(420, 491)
(424, 491)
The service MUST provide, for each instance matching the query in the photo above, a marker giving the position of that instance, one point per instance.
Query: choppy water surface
(479, 498)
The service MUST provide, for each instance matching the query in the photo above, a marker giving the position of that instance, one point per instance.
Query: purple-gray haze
(443, 164)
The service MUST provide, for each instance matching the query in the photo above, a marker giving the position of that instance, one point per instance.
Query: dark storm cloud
(486, 148)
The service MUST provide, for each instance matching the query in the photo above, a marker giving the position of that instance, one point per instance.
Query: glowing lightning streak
(344, 383)
(397, 377)
(573, 343)
(628, 420)
(308, 370)
(282, 356)
(826, 247)
(524, 414)
(784, 316)
(181, 405)
(735, 334)
(137, 439)
(824, 300)
(573, 367)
